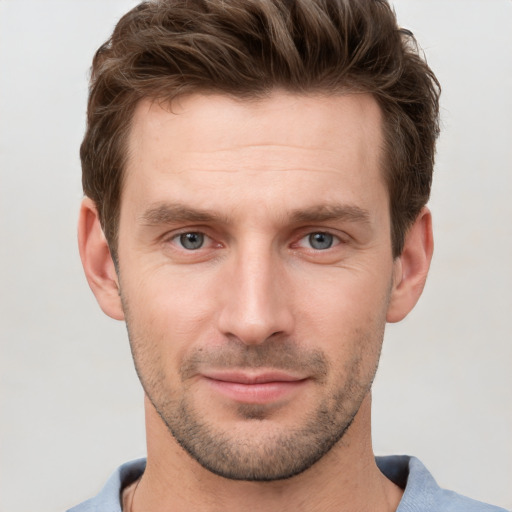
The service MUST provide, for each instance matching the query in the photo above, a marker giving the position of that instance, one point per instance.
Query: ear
(411, 267)
(97, 262)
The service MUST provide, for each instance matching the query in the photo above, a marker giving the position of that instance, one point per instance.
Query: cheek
(342, 296)
(345, 317)
(170, 311)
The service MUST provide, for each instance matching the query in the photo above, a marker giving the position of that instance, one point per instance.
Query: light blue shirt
(422, 494)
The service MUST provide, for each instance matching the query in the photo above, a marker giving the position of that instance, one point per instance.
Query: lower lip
(261, 393)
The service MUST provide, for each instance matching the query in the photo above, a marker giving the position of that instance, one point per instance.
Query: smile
(254, 388)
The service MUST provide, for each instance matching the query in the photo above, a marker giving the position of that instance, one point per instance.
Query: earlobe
(411, 267)
(97, 261)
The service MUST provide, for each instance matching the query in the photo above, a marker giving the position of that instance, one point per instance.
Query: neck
(346, 478)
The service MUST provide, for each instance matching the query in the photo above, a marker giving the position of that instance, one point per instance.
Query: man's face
(255, 270)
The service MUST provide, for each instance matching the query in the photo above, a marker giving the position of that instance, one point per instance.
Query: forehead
(215, 121)
(217, 143)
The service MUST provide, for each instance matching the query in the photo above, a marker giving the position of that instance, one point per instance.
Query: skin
(258, 181)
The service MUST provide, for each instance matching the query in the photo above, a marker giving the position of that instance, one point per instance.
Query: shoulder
(421, 492)
(109, 497)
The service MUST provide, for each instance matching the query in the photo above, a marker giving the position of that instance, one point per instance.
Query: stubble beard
(240, 454)
(273, 456)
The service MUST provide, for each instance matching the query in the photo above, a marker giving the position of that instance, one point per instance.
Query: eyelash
(332, 240)
(177, 239)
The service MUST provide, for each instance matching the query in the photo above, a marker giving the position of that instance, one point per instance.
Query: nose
(255, 303)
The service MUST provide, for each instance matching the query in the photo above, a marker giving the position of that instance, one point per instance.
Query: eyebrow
(336, 212)
(170, 213)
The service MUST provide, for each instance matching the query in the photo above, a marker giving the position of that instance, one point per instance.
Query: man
(256, 174)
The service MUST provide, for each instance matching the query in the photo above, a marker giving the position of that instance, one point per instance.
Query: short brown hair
(247, 48)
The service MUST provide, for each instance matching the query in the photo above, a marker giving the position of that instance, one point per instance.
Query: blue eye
(191, 241)
(320, 241)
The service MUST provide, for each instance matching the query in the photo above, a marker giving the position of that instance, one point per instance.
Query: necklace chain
(130, 509)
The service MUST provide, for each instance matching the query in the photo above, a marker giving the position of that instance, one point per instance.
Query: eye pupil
(320, 241)
(192, 241)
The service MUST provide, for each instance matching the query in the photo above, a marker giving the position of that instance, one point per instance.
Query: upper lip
(245, 377)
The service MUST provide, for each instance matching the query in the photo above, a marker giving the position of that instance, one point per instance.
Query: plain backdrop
(71, 405)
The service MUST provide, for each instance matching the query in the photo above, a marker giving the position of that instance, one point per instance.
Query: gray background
(71, 406)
